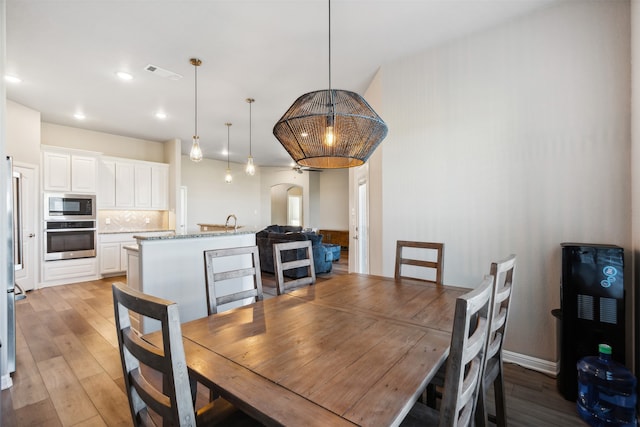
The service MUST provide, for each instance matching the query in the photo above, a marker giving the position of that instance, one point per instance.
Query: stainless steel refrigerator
(14, 255)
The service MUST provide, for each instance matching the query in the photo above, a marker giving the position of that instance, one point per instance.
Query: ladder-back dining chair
(156, 377)
(430, 260)
(216, 275)
(502, 271)
(280, 251)
(464, 364)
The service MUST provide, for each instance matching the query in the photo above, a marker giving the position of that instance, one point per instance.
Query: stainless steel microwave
(69, 207)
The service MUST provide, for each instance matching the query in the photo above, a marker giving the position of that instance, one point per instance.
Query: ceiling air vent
(162, 72)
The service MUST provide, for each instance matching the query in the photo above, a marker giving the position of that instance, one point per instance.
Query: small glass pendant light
(196, 153)
(250, 169)
(228, 178)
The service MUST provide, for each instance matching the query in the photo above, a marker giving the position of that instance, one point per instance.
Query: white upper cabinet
(83, 174)
(160, 187)
(68, 171)
(132, 184)
(124, 185)
(142, 188)
(57, 171)
(106, 184)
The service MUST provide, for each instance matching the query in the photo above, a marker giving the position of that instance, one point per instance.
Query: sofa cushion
(265, 239)
(316, 239)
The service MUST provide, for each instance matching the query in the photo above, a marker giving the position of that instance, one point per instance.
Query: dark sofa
(265, 239)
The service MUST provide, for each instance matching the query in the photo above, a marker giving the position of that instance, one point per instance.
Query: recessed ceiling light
(12, 79)
(224, 152)
(160, 115)
(79, 116)
(124, 75)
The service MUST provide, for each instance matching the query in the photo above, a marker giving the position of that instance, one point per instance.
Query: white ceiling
(67, 52)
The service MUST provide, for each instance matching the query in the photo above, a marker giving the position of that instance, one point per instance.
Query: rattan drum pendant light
(330, 128)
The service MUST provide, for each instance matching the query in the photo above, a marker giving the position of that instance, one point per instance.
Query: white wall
(109, 145)
(333, 196)
(23, 133)
(272, 176)
(635, 171)
(211, 200)
(513, 140)
(325, 195)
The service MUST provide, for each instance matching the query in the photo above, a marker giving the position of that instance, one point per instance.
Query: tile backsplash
(116, 221)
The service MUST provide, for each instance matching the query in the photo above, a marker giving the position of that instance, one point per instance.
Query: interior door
(359, 260)
(26, 277)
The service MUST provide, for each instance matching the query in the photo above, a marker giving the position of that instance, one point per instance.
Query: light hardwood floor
(68, 367)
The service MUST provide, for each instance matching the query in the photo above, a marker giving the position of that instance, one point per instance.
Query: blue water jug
(606, 391)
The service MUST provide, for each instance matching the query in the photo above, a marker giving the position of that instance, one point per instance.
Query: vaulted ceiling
(66, 52)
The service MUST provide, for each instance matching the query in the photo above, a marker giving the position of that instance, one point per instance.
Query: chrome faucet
(235, 222)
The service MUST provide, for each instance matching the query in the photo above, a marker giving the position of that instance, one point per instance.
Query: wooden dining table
(351, 350)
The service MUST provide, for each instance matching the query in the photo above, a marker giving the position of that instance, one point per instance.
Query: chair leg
(193, 385)
(432, 395)
(481, 413)
(501, 407)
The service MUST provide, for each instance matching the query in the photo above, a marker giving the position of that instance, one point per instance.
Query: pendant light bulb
(228, 177)
(250, 169)
(196, 153)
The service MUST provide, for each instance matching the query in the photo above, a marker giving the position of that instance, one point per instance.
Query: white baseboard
(6, 382)
(533, 363)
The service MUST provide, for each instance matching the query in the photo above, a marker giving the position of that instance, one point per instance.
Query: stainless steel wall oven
(69, 240)
(70, 226)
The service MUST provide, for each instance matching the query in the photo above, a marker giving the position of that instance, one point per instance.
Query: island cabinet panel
(172, 267)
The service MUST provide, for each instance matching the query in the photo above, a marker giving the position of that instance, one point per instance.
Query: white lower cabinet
(113, 257)
(69, 271)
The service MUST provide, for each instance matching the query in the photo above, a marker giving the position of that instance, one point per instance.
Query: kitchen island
(172, 267)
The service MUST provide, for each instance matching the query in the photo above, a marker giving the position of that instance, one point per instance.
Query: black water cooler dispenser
(592, 307)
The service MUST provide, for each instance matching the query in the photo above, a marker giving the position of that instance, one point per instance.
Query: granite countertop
(146, 230)
(195, 235)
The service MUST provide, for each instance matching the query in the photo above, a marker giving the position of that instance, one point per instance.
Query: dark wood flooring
(68, 367)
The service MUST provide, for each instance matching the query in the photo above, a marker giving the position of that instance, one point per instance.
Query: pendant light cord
(228, 133)
(331, 99)
(250, 102)
(330, 51)
(196, 99)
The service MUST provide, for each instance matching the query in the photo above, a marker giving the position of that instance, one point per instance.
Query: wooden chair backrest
(173, 403)
(466, 356)
(502, 271)
(435, 265)
(214, 277)
(279, 249)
